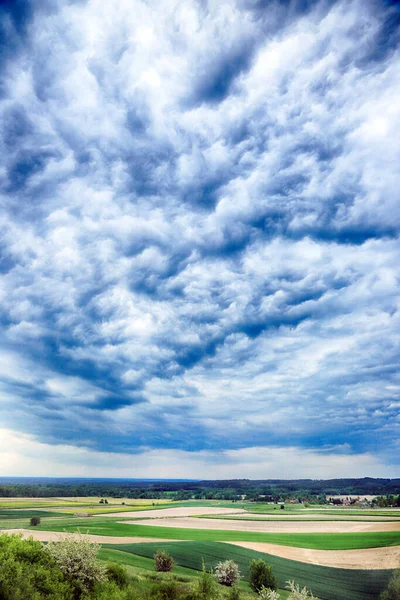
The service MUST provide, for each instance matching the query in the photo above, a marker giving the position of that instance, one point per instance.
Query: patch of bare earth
(181, 511)
(366, 558)
(271, 526)
(54, 536)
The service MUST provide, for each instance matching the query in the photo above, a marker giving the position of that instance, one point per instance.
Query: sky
(199, 238)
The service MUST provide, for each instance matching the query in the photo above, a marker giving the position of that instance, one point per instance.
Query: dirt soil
(181, 511)
(271, 526)
(366, 558)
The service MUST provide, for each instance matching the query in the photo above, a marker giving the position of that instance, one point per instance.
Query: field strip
(365, 559)
(299, 517)
(54, 536)
(183, 511)
(270, 526)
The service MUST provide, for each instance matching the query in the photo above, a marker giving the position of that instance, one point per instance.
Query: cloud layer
(199, 233)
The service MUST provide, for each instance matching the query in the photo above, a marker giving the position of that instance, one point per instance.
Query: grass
(322, 541)
(139, 562)
(327, 583)
(27, 514)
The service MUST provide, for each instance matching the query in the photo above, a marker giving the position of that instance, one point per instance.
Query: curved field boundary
(325, 582)
(361, 559)
(333, 541)
(272, 526)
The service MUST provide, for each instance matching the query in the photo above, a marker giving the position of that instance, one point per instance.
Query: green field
(27, 514)
(325, 582)
(196, 545)
(322, 541)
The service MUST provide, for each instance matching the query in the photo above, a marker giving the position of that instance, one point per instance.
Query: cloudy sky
(199, 238)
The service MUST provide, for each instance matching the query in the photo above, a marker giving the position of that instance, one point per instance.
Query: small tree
(227, 572)
(297, 593)
(163, 561)
(393, 590)
(261, 575)
(76, 558)
(35, 521)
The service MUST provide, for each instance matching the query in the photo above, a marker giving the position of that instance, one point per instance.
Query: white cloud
(21, 456)
(200, 226)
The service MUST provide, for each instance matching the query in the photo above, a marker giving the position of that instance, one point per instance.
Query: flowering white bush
(227, 572)
(299, 594)
(76, 557)
(268, 594)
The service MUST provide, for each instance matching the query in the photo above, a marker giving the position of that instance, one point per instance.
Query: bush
(76, 557)
(234, 593)
(117, 573)
(297, 593)
(35, 521)
(163, 561)
(28, 572)
(227, 572)
(261, 575)
(166, 590)
(268, 594)
(393, 591)
(207, 587)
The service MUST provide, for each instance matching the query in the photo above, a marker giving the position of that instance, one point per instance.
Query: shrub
(268, 594)
(207, 587)
(163, 561)
(234, 593)
(76, 557)
(227, 572)
(117, 573)
(393, 590)
(28, 572)
(35, 521)
(166, 590)
(261, 575)
(297, 593)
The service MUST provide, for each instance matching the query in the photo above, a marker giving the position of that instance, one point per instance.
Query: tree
(35, 521)
(76, 558)
(227, 572)
(393, 590)
(163, 561)
(261, 575)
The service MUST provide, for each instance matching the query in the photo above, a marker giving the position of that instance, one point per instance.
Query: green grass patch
(325, 582)
(322, 541)
(139, 562)
(5, 515)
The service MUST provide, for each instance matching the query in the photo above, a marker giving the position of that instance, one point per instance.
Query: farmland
(305, 544)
